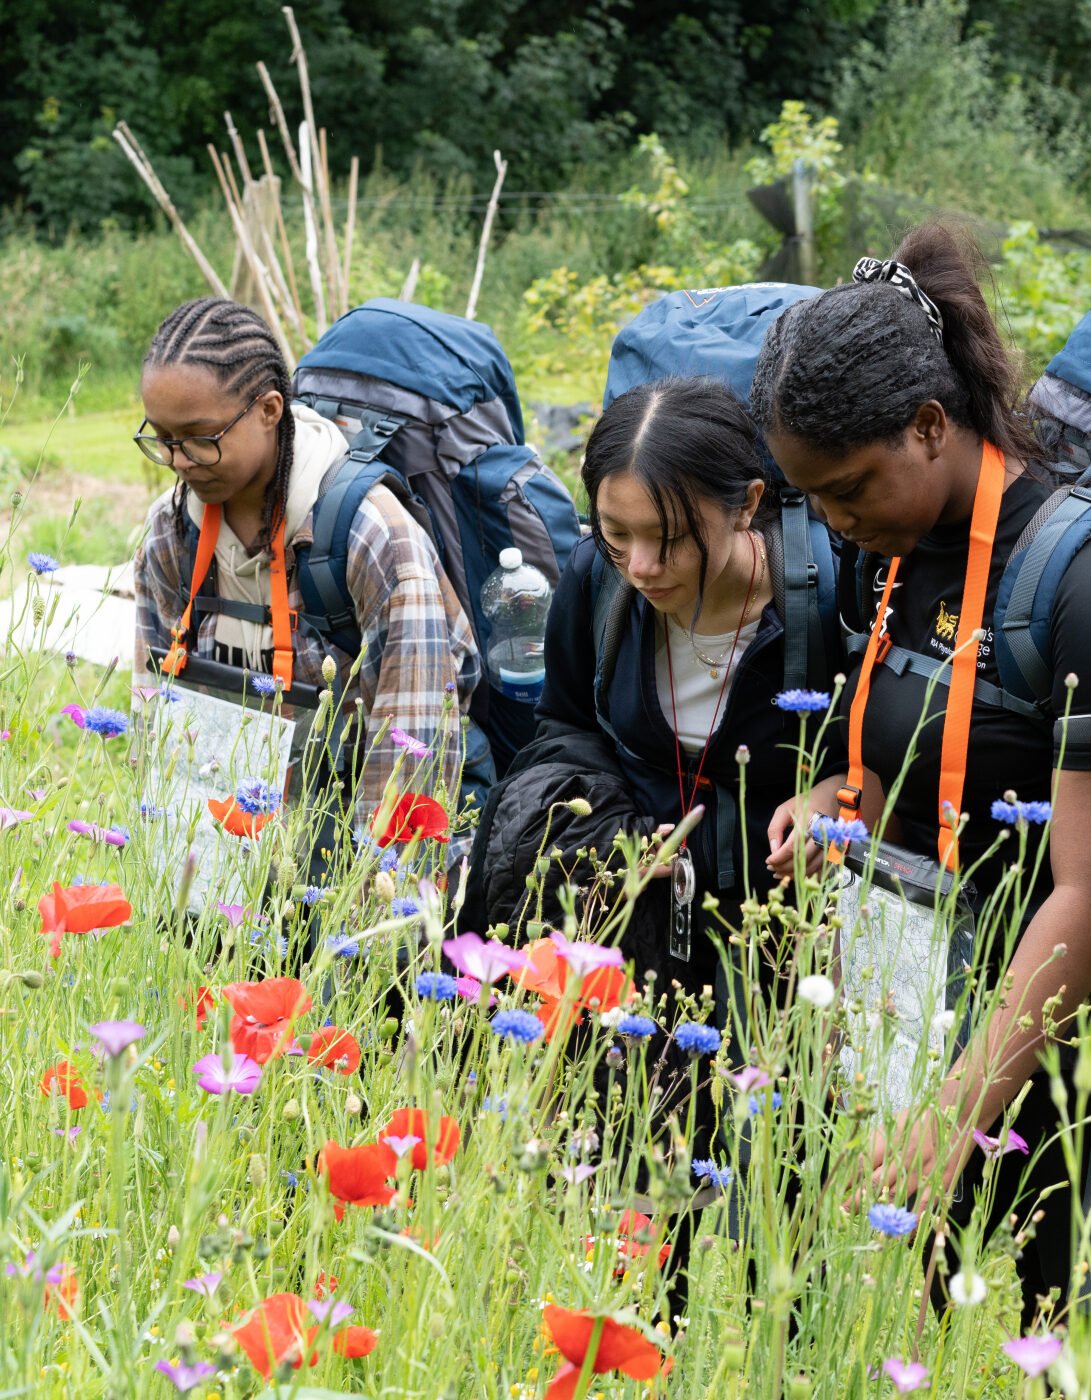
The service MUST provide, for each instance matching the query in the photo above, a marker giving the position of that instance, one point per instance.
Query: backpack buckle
(849, 797)
(882, 651)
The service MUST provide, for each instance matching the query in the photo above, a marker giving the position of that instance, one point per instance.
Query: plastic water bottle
(515, 598)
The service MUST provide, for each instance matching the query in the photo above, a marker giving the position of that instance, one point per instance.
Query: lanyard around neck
(956, 723)
(175, 659)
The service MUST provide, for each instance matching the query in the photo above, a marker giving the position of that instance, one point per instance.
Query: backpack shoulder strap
(1047, 545)
(611, 597)
(805, 585)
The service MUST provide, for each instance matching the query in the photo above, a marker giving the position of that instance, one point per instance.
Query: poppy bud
(579, 807)
(798, 1388)
(173, 1237)
(290, 1112)
(33, 980)
(385, 887)
(354, 1105)
(329, 669)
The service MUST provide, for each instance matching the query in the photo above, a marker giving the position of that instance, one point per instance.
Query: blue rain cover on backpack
(1072, 362)
(428, 405)
(718, 332)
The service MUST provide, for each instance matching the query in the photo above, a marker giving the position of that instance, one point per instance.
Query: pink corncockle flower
(469, 989)
(485, 962)
(1034, 1355)
(183, 1376)
(241, 1075)
(110, 835)
(69, 1134)
(998, 1146)
(906, 1375)
(329, 1307)
(401, 1145)
(204, 1284)
(750, 1078)
(401, 740)
(38, 794)
(574, 1175)
(586, 957)
(12, 816)
(115, 1036)
(74, 713)
(238, 914)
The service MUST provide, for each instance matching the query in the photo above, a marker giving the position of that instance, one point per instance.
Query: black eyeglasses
(201, 451)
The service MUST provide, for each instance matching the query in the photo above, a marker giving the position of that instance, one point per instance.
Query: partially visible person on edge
(215, 390)
(889, 401)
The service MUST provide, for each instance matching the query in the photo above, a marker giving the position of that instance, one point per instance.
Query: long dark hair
(242, 353)
(853, 365)
(683, 439)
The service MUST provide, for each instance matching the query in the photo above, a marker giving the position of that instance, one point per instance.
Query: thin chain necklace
(727, 676)
(715, 664)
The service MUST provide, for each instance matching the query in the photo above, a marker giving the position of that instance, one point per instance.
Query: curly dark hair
(683, 439)
(854, 365)
(242, 353)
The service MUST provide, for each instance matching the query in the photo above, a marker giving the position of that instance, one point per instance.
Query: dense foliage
(439, 83)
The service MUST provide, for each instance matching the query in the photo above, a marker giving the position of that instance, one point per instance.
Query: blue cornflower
(313, 893)
(1014, 812)
(436, 986)
(388, 861)
(291, 1178)
(755, 1105)
(517, 1025)
(343, 945)
(262, 684)
(101, 720)
(255, 796)
(895, 1221)
(802, 702)
(42, 563)
(497, 1106)
(837, 831)
(697, 1040)
(639, 1027)
(707, 1170)
(404, 908)
(267, 940)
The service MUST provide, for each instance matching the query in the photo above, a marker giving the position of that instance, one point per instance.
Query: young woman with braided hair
(215, 389)
(890, 401)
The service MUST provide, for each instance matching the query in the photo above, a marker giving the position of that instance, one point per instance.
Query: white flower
(608, 1019)
(818, 990)
(967, 1289)
(943, 1021)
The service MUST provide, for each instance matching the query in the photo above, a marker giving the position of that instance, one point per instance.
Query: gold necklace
(715, 664)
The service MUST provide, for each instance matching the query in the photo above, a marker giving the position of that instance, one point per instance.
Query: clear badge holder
(205, 733)
(683, 889)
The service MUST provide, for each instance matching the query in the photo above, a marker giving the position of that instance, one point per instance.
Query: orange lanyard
(176, 657)
(956, 723)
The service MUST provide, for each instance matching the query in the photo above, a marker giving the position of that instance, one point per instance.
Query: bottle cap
(511, 558)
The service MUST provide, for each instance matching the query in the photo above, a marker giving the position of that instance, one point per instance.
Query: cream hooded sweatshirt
(244, 577)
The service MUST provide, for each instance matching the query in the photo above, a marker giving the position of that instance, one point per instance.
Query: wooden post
(350, 232)
(490, 214)
(310, 226)
(803, 209)
(282, 232)
(410, 284)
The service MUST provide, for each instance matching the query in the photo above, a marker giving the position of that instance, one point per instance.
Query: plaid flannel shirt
(420, 664)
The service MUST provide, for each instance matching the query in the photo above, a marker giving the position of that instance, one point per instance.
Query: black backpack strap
(805, 649)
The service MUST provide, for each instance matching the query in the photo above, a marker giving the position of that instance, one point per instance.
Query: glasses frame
(169, 444)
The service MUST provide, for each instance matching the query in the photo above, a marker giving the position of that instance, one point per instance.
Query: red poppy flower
(325, 1284)
(619, 1348)
(63, 1294)
(359, 1175)
(63, 1079)
(412, 815)
(204, 1001)
(279, 1330)
(414, 1122)
(355, 1341)
(265, 1015)
(606, 987)
(234, 820)
(547, 970)
(635, 1237)
(558, 1016)
(335, 1049)
(81, 909)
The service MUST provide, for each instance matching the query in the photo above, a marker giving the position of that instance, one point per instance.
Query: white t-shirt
(696, 690)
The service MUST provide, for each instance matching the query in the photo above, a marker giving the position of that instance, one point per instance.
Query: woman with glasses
(248, 465)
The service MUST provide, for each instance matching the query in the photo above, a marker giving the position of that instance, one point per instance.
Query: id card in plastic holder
(205, 734)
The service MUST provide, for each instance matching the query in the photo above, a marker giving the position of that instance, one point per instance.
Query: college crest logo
(946, 623)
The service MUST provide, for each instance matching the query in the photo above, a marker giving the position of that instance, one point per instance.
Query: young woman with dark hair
(682, 508)
(889, 401)
(217, 407)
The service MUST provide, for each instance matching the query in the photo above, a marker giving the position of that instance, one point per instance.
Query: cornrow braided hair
(240, 350)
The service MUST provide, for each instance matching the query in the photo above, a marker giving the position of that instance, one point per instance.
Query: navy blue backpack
(428, 406)
(718, 332)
